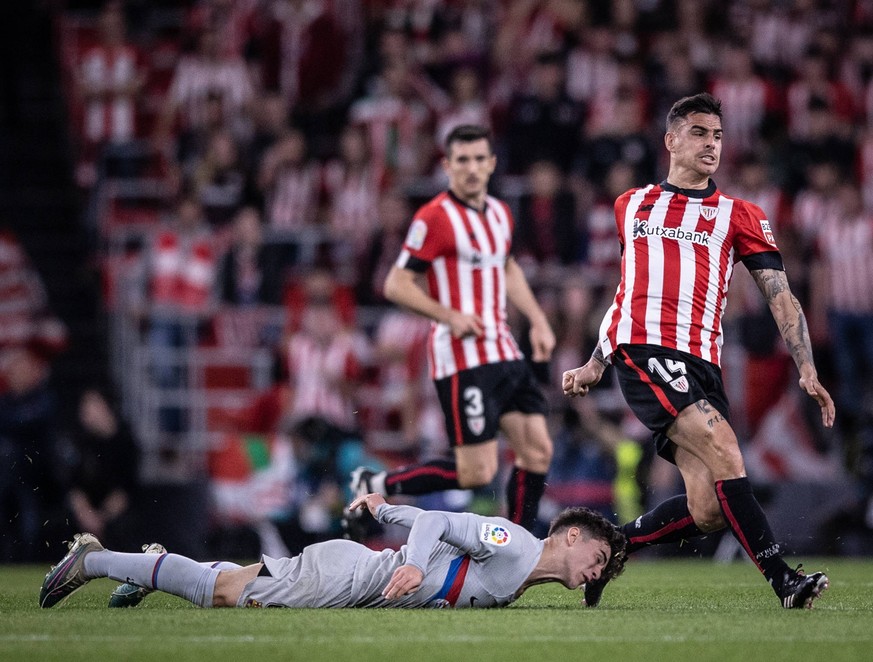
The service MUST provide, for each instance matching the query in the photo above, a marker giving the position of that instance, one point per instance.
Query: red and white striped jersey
(466, 251)
(112, 115)
(317, 367)
(677, 261)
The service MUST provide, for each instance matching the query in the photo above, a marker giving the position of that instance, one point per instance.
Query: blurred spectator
(250, 272)
(825, 140)
(617, 132)
(817, 201)
(843, 278)
(325, 360)
(592, 66)
(407, 410)
(289, 181)
(30, 337)
(110, 78)
(779, 33)
(352, 193)
(101, 465)
(604, 257)
(676, 75)
(543, 123)
(234, 21)
(203, 76)
(749, 97)
(311, 51)
(466, 104)
(547, 232)
(814, 80)
(220, 180)
(753, 183)
(270, 117)
(856, 67)
(176, 294)
(393, 216)
(396, 121)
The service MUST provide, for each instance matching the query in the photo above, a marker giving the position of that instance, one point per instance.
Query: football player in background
(460, 242)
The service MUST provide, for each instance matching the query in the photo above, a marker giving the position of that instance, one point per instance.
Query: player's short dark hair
(699, 103)
(468, 133)
(598, 527)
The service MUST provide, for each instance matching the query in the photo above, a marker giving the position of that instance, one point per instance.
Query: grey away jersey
(467, 561)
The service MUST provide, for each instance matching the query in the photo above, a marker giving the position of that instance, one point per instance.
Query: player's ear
(669, 140)
(573, 534)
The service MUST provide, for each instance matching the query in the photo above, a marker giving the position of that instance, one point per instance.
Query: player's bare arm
(787, 312)
(402, 288)
(542, 338)
(579, 380)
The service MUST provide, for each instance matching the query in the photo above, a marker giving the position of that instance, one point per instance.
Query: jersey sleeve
(402, 515)
(753, 233)
(620, 208)
(460, 530)
(428, 238)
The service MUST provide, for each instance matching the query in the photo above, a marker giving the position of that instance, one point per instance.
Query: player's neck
(550, 567)
(475, 201)
(687, 179)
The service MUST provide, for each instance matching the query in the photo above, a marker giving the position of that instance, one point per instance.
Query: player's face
(695, 143)
(469, 166)
(588, 559)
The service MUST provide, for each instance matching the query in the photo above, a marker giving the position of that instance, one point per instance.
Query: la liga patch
(494, 534)
(416, 235)
(768, 233)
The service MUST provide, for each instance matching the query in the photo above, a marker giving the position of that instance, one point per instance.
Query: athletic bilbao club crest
(709, 213)
(680, 384)
(476, 424)
(768, 233)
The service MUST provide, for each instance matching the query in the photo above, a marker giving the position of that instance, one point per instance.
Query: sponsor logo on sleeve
(416, 235)
(494, 534)
(768, 232)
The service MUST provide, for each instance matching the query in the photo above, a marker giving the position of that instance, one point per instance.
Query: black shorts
(473, 400)
(658, 383)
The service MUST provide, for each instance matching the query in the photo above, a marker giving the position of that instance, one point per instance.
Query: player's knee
(536, 460)
(476, 475)
(535, 454)
(706, 514)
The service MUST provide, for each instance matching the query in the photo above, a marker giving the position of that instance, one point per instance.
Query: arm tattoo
(703, 406)
(771, 282)
(598, 356)
(787, 312)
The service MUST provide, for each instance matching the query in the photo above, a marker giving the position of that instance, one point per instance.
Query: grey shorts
(321, 576)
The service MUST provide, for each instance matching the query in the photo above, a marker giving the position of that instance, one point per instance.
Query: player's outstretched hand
(817, 392)
(405, 580)
(369, 501)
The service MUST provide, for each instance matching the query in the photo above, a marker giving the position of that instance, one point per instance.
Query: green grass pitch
(658, 610)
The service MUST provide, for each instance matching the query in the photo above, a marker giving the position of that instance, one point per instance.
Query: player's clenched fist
(579, 380)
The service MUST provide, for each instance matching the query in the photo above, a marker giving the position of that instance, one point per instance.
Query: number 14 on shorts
(671, 372)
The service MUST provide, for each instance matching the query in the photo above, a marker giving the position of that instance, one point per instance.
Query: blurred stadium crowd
(248, 169)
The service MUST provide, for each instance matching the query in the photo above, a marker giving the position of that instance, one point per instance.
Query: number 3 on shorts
(473, 398)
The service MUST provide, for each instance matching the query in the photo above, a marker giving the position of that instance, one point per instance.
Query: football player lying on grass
(449, 560)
